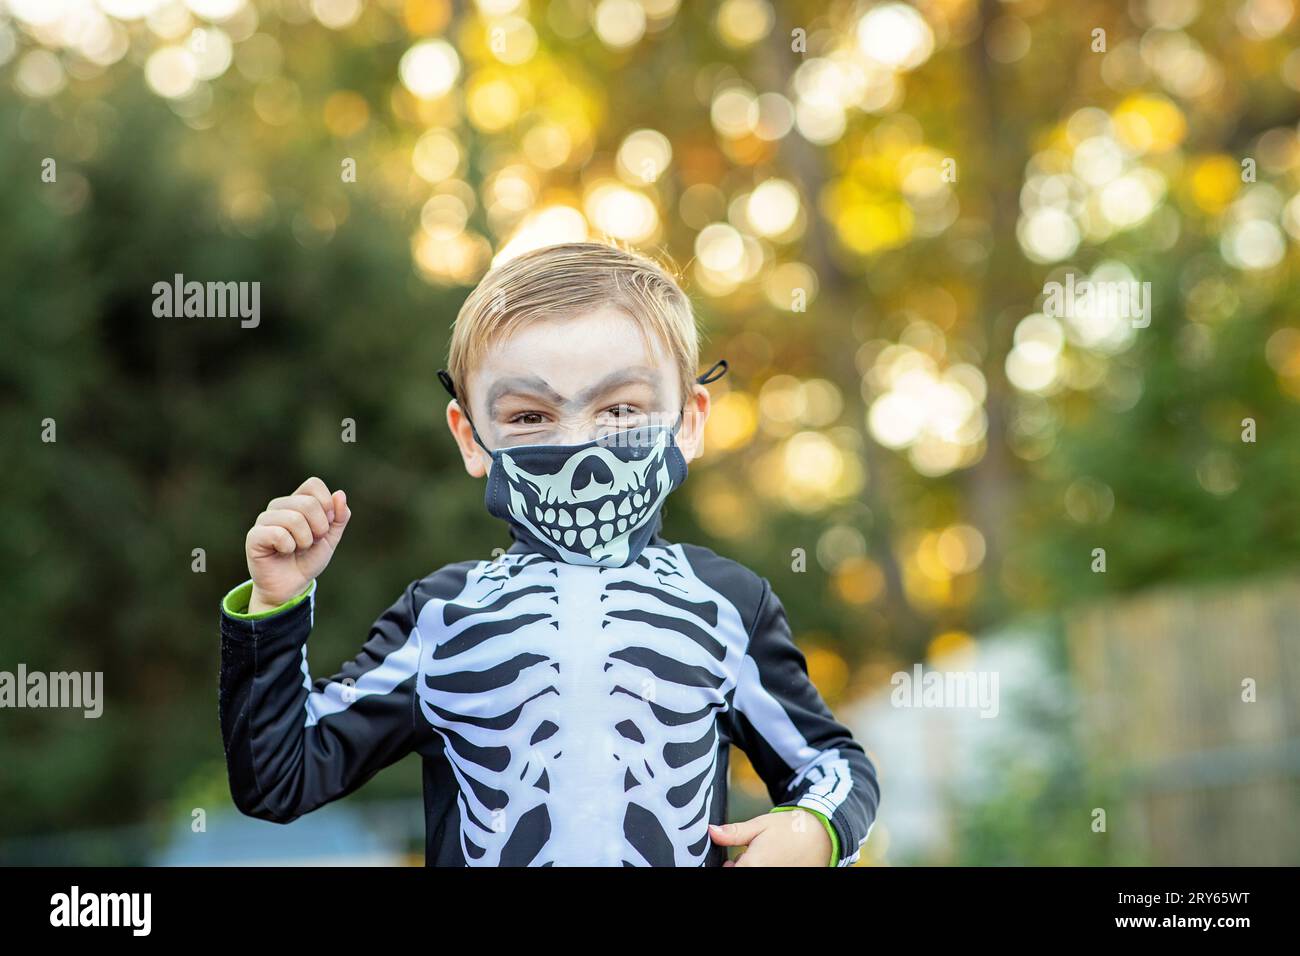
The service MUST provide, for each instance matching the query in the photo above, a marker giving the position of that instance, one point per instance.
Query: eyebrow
(536, 386)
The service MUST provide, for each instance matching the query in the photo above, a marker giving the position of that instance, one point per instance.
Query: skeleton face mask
(593, 503)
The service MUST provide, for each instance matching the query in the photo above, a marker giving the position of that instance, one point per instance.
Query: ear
(476, 459)
(690, 439)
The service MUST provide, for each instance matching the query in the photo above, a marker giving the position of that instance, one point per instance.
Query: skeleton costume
(573, 700)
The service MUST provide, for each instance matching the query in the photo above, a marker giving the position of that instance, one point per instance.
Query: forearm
(803, 753)
(840, 786)
(293, 744)
(261, 708)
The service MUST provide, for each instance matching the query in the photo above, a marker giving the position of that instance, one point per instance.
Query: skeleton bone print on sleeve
(579, 708)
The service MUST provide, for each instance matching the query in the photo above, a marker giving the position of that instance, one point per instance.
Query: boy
(573, 700)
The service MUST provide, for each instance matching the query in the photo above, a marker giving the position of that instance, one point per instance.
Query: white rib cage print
(579, 708)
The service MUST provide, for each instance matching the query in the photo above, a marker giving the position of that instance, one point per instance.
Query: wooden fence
(1205, 774)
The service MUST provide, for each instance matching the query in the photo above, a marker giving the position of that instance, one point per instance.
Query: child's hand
(792, 838)
(292, 541)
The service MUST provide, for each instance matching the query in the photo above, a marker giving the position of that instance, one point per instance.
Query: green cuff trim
(235, 603)
(835, 840)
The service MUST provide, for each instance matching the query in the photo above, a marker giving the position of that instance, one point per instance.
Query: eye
(528, 418)
(622, 411)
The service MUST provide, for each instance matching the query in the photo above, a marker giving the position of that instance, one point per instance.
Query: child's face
(567, 381)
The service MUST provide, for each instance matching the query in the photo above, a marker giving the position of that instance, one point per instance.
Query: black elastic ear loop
(445, 377)
(720, 366)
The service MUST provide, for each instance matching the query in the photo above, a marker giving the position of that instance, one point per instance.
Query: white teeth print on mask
(593, 503)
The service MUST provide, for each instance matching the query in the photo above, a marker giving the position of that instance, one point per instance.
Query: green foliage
(172, 434)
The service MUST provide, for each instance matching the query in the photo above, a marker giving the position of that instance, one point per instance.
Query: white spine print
(589, 696)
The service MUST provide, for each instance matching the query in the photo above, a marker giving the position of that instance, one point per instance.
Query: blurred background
(865, 202)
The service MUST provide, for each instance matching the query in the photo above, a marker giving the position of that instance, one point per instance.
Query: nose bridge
(572, 428)
(575, 433)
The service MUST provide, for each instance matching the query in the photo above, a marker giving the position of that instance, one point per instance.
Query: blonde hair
(571, 279)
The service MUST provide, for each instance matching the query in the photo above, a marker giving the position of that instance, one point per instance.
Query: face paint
(593, 503)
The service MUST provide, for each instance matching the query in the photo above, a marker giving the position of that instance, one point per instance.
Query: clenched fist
(292, 541)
